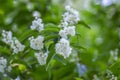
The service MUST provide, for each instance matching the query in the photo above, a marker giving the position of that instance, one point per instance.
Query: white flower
(63, 24)
(63, 34)
(12, 41)
(41, 57)
(107, 2)
(29, 6)
(3, 64)
(70, 30)
(36, 14)
(7, 36)
(36, 43)
(111, 76)
(114, 54)
(37, 24)
(71, 16)
(67, 31)
(63, 48)
(17, 46)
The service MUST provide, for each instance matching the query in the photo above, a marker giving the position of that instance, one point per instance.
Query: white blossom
(67, 31)
(63, 48)
(107, 2)
(70, 17)
(7, 36)
(63, 24)
(12, 41)
(36, 43)
(41, 57)
(114, 54)
(36, 14)
(3, 64)
(37, 24)
(17, 46)
(74, 13)
(29, 6)
(70, 30)
(63, 34)
(111, 76)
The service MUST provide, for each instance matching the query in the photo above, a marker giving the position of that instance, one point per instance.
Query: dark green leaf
(60, 59)
(115, 68)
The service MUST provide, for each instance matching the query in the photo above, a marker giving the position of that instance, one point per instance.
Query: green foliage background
(93, 45)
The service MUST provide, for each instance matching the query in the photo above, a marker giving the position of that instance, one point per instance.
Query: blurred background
(100, 44)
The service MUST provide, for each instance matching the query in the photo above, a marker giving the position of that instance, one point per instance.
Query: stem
(49, 62)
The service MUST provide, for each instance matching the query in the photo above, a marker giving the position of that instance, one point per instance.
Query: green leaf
(1, 12)
(77, 46)
(78, 79)
(60, 59)
(49, 37)
(49, 43)
(26, 35)
(4, 50)
(51, 55)
(51, 25)
(15, 71)
(22, 68)
(48, 64)
(64, 71)
(115, 68)
(50, 30)
(84, 24)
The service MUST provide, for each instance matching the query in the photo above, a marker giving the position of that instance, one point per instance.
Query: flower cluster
(38, 43)
(17, 46)
(67, 31)
(3, 64)
(37, 24)
(63, 48)
(70, 18)
(41, 57)
(7, 36)
(111, 76)
(114, 54)
(12, 41)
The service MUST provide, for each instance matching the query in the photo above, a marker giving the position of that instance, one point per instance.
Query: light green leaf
(84, 24)
(77, 46)
(78, 79)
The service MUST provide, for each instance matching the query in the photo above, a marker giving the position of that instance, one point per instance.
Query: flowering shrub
(43, 38)
(48, 40)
